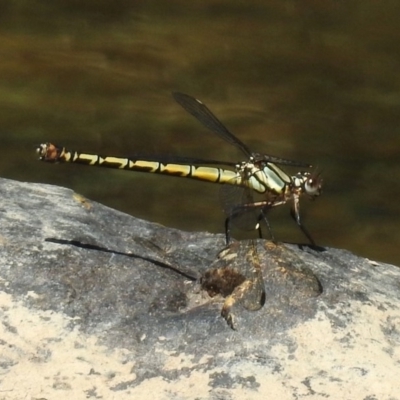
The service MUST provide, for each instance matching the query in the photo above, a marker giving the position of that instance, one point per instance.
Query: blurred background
(308, 80)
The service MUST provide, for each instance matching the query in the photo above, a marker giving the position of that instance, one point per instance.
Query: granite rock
(97, 304)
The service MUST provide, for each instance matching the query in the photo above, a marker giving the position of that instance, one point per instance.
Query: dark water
(310, 80)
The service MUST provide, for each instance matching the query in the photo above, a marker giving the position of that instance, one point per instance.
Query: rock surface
(97, 304)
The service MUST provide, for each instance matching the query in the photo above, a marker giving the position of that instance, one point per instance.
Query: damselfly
(258, 174)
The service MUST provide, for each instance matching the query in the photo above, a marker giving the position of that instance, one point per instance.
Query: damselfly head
(313, 183)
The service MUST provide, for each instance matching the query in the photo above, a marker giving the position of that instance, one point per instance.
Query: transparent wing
(201, 112)
(232, 199)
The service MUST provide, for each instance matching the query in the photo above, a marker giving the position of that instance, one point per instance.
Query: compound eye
(313, 185)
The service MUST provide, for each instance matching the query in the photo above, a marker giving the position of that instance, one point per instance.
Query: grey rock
(97, 304)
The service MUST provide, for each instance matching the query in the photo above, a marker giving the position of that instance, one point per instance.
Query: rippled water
(312, 81)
